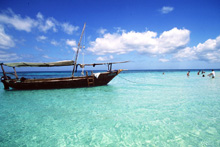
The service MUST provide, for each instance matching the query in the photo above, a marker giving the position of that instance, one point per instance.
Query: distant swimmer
(203, 73)
(188, 73)
(198, 72)
(212, 74)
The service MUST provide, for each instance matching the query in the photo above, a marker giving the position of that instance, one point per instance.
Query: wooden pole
(5, 76)
(110, 67)
(15, 73)
(74, 67)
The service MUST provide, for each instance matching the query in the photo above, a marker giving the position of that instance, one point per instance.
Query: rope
(129, 80)
(138, 82)
(83, 50)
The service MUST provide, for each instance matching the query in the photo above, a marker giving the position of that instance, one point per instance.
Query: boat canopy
(48, 64)
(51, 64)
(94, 64)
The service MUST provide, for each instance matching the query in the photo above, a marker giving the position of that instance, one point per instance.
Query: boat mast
(77, 52)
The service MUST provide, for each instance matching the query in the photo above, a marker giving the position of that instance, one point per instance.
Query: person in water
(203, 73)
(213, 74)
(198, 72)
(188, 73)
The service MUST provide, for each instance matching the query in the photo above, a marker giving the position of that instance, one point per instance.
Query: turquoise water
(137, 108)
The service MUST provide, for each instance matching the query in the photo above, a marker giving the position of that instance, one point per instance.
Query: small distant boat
(94, 79)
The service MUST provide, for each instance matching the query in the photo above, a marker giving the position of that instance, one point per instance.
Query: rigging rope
(139, 82)
(83, 50)
(129, 80)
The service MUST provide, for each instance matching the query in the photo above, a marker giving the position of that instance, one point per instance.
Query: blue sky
(152, 34)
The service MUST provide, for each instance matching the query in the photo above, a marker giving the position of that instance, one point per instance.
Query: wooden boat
(94, 79)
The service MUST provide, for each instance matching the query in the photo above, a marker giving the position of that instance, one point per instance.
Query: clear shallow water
(137, 108)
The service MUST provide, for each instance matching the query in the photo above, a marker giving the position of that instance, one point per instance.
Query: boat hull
(58, 83)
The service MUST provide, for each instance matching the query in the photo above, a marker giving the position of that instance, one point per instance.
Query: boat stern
(5, 83)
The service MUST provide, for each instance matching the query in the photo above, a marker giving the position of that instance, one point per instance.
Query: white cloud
(119, 30)
(166, 9)
(39, 49)
(40, 16)
(143, 42)
(41, 38)
(53, 24)
(212, 56)
(186, 53)
(110, 43)
(71, 42)
(75, 49)
(46, 56)
(208, 45)
(209, 51)
(163, 60)
(68, 28)
(49, 24)
(20, 23)
(55, 43)
(8, 56)
(173, 39)
(5, 40)
(101, 31)
(105, 58)
(24, 24)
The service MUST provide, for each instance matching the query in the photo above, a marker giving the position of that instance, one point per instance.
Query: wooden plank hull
(58, 83)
